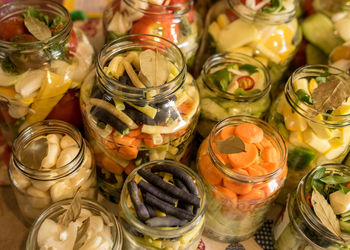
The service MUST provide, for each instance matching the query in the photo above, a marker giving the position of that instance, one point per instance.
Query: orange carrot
(244, 159)
(256, 170)
(225, 196)
(148, 142)
(135, 132)
(241, 171)
(210, 173)
(108, 142)
(236, 186)
(271, 155)
(185, 108)
(124, 140)
(266, 143)
(226, 132)
(129, 168)
(222, 158)
(128, 152)
(253, 195)
(111, 165)
(249, 132)
(347, 184)
(270, 166)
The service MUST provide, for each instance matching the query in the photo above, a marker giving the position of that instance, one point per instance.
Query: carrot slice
(124, 141)
(148, 142)
(135, 132)
(244, 159)
(347, 184)
(256, 170)
(128, 152)
(266, 143)
(108, 142)
(249, 132)
(223, 158)
(270, 166)
(210, 173)
(129, 168)
(225, 133)
(185, 108)
(111, 165)
(253, 195)
(236, 186)
(271, 155)
(241, 171)
(225, 196)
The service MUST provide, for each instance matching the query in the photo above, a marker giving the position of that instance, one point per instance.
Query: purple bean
(140, 208)
(167, 208)
(151, 211)
(170, 189)
(181, 204)
(166, 221)
(156, 192)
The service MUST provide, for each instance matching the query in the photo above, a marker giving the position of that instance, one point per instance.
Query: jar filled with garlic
(50, 162)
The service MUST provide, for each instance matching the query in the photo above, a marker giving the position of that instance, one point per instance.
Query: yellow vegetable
(321, 145)
(312, 85)
(295, 122)
(320, 130)
(222, 20)
(337, 148)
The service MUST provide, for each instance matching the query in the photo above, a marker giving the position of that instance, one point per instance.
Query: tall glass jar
(269, 33)
(299, 227)
(49, 162)
(39, 78)
(174, 20)
(239, 197)
(138, 235)
(158, 121)
(104, 231)
(313, 137)
(232, 84)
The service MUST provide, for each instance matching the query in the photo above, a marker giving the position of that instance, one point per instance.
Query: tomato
(23, 38)
(72, 43)
(160, 25)
(231, 15)
(246, 82)
(67, 109)
(12, 27)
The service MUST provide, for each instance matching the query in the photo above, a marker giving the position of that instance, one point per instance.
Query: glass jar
(299, 227)
(270, 36)
(39, 79)
(102, 223)
(313, 137)
(49, 162)
(340, 57)
(138, 235)
(174, 20)
(239, 198)
(232, 84)
(163, 118)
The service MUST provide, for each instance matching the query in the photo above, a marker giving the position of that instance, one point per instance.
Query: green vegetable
(251, 69)
(344, 189)
(78, 15)
(147, 110)
(37, 14)
(8, 66)
(315, 182)
(323, 77)
(335, 179)
(274, 6)
(300, 158)
(221, 78)
(344, 226)
(303, 96)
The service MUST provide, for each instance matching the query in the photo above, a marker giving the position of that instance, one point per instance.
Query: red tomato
(23, 38)
(231, 15)
(67, 109)
(246, 82)
(159, 25)
(12, 27)
(72, 43)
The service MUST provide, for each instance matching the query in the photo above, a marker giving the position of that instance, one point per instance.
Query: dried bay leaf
(325, 213)
(81, 234)
(331, 94)
(37, 28)
(154, 67)
(231, 145)
(73, 211)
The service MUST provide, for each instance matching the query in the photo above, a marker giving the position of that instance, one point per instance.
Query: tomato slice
(12, 27)
(72, 43)
(246, 82)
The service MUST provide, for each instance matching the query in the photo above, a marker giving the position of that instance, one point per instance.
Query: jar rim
(176, 232)
(273, 134)
(307, 110)
(159, 9)
(238, 58)
(85, 203)
(62, 35)
(48, 127)
(128, 43)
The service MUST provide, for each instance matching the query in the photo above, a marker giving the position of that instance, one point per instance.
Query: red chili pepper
(246, 82)
(308, 198)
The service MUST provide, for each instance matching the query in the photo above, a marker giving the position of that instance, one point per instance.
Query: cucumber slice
(300, 158)
(319, 30)
(315, 56)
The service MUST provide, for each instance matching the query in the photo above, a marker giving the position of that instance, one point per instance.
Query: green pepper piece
(303, 96)
(221, 78)
(78, 15)
(300, 158)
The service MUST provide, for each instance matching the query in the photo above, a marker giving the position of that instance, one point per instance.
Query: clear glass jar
(39, 79)
(174, 20)
(37, 185)
(165, 136)
(223, 93)
(299, 228)
(272, 37)
(239, 199)
(313, 138)
(340, 57)
(138, 235)
(97, 214)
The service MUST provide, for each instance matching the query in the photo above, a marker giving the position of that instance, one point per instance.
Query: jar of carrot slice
(243, 166)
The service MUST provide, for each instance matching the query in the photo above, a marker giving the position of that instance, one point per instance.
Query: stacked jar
(140, 105)
(232, 84)
(174, 20)
(270, 32)
(49, 163)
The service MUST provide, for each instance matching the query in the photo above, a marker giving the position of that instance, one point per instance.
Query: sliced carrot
(129, 168)
(124, 140)
(135, 132)
(185, 108)
(256, 170)
(271, 155)
(270, 166)
(148, 142)
(347, 184)
(111, 165)
(236, 186)
(179, 132)
(210, 173)
(253, 195)
(222, 158)
(249, 132)
(109, 143)
(241, 171)
(229, 199)
(128, 152)
(244, 159)
(266, 143)
(226, 132)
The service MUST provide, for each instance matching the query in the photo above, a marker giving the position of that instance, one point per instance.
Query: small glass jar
(96, 212)
(35, 184)
(138, 235)
(299, 227)
(176, 21)
(238, 199)
(40, 79)
(340, 57)
(271, 37)
(313, 138)
(223, 91)
(119, 147)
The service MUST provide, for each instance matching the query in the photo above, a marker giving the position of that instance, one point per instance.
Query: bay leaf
(154, 66)
(325, 213)
(37, 28)
(73, 211)
(231, 145)
(331, 94)
(81, 234)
